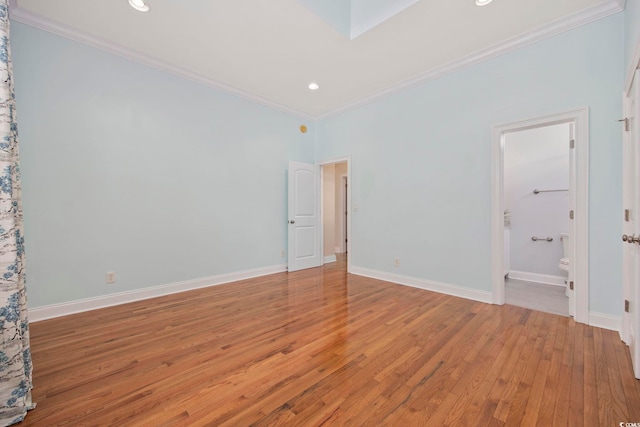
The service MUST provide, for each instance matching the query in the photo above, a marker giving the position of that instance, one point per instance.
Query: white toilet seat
(564, 264)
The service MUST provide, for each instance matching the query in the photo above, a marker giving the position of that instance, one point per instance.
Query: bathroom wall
(537, 159)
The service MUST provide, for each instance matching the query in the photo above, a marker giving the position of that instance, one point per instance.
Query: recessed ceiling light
(483, 2)
(313, 86)
(139, 5)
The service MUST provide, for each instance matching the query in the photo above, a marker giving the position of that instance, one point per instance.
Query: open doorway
(335, 212)
(577, 210)
(537, 235)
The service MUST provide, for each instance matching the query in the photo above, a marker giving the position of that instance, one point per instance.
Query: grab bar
(536, 191)
(542, 239)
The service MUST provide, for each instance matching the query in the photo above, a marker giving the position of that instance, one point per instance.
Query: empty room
(310, 212)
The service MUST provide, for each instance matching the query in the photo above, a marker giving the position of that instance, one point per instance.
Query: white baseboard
(429, 285)
(338, 250)
(329, 258)
(599, 320)
(63, 309)
(605, 321)
(547, 279)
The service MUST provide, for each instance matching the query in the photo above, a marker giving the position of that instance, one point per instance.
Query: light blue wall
(129, 169)
(421, 159)
(631, 31)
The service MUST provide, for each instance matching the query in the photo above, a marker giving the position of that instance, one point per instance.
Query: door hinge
(570, 214)
(572, 143)
(571, 285)
(626, 123)
(626, 306)
(627, 215)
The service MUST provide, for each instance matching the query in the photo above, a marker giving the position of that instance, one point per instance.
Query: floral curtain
(15, 353)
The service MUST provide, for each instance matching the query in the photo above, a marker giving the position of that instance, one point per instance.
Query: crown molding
(549, 30)
(587, 16)
(25, 17)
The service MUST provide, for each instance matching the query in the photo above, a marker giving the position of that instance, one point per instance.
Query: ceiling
(269, 50)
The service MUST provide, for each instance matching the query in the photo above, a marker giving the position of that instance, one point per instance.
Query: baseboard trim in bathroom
(547, 279)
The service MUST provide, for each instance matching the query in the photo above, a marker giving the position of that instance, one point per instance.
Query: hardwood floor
(321, 347)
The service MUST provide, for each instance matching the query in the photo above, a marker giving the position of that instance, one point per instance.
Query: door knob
(292, 222)
(631, 239)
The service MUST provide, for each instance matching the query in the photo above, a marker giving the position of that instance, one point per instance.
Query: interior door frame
(580, 224)
(634, 65)
(344, 230)
(347, 160)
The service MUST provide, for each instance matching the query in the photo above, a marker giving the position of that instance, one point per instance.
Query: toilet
(564, 261)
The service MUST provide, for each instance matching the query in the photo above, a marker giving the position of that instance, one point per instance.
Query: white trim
(344, 182)
(560, 26)
(338, 250)
(429, 285)
(586, 16)
(580, 247)
(63, 309)
(296, 220)
(347, 160)
(633, 65)
(605, 321)
(329, 258)
(546, 279)
(26, 17)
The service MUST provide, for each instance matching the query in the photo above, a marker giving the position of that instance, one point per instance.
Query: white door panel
(304, 216)
(631, 224)
(572, 224)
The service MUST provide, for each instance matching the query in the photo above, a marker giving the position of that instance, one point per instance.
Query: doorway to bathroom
(536, 221)
(539, 214)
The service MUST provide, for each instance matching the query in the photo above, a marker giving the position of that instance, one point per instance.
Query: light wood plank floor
(321, 347)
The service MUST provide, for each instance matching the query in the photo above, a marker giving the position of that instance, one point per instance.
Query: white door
(631, 224)
(571, 277)
(304, 249)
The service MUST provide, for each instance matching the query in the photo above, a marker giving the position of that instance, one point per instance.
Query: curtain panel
(15, 353)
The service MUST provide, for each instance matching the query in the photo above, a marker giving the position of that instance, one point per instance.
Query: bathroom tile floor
(536, 296)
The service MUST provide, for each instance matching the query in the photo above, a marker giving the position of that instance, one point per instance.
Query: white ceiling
(269, 50)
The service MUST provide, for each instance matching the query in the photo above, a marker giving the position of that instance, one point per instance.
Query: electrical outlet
(282, 253)
(110, 277)
(396, 262)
